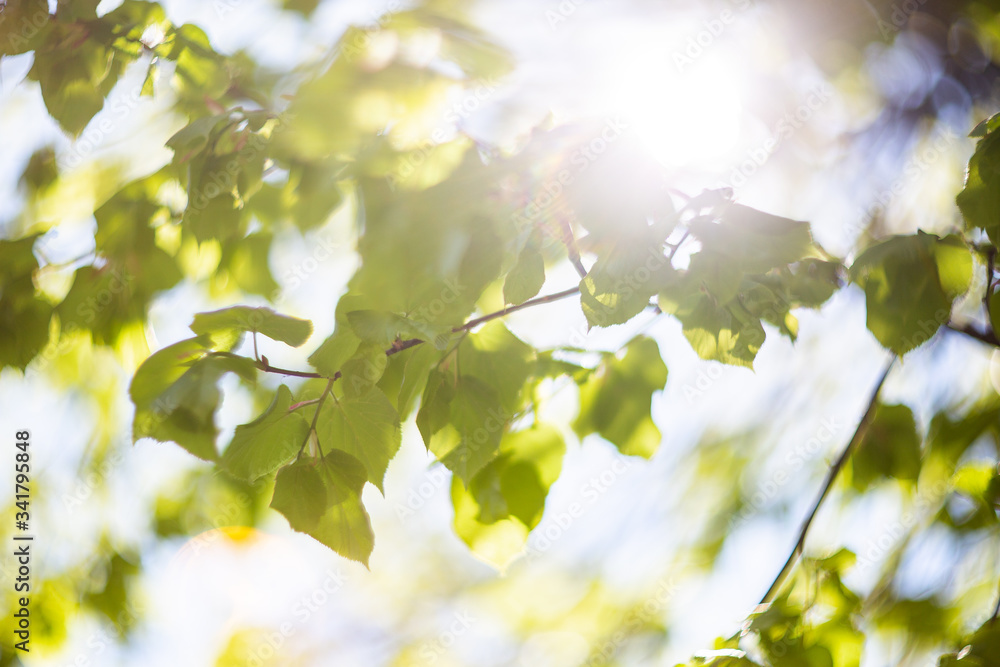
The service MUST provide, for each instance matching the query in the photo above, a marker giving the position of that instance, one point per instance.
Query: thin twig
(400, 345)
(471, 324)
(268, 368)
(990, 263)
(996, 610)
(674, 247)
(255, 353)
(569, 241)
(987, 337)
(302, 404)
(831, 477)
(92, 254)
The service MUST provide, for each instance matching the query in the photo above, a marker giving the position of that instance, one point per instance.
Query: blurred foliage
(451, 236)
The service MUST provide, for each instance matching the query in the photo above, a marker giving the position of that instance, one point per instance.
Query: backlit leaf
(268, 442)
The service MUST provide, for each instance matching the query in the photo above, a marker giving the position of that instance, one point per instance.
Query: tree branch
(400, 345)
(991, 254)
(987, 337)
(674, 247)
(568, 240)
(996, 610)
(268, 368)
(471, 324)
(831, 477)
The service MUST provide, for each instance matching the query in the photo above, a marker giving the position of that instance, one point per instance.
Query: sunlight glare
(685, 118)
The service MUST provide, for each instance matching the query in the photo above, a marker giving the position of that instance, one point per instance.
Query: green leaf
(478, 417)
(247, 263)
(716, 274)
(758, 241)
(949, 438)
(461, 422)
(813, 281)
(497, 542)
(227, 326)
(500, 359)
(616, 400)
(304, 7)
(149, 83)
(730, 334)
(910, 283)
(24, 325)
(24, 317)
(530, 462)
(364, 370)
(126, 220)
(334, 352)
(209, 218)
(268, 442)
(953, 260)
(986, 126)
(890, 448)
(200, 71)
(975, 479)
(468, 46)
(516, 483)
(981, 649)
(194, 136)
(365, 426)
(75, 81)
(979, 200)
(25, 25)
(313, 192)
(525, 279)
(323, 499)
(175, 395)
(620, 284)
(429, 255)
(419, 362)
(107, 300)
(435, 406)
(384, 328)
(300, 494)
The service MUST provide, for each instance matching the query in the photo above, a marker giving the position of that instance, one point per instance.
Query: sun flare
(686, 116)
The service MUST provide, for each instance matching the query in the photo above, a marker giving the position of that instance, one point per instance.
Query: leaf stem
(312, 426)
(302, 404)
(268, 368)
(991, 255)
(831, 477)
(987, 337)
(996, 610)
(674, 247)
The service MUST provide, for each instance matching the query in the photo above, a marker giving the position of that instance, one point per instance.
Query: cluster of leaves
(437, 239)
(948, 489)
(446, 247)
